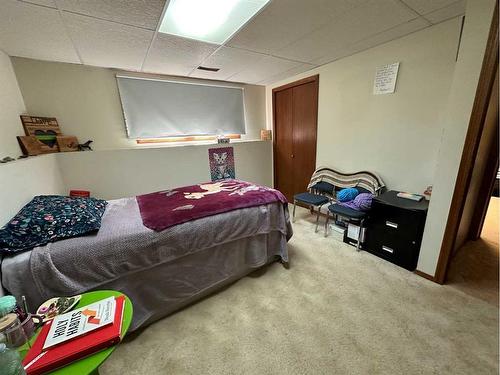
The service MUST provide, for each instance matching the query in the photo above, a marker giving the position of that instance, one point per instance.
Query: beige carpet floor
(334, 311)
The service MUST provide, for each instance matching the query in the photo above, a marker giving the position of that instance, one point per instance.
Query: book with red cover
(38, 361)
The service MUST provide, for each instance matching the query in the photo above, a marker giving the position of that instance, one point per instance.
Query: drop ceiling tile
(174, 55)
(46, 3)
(427, 6)
(139, 13)
(393, 33)
(454, 10)
(335, 55)
(377, 39)
(284, 21)
(289, 73)
(230, 61)
(268, 67)
(108, 44)
(28, 30)
(356, 24)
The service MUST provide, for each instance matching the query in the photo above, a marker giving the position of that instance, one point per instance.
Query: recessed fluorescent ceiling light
(212, 21)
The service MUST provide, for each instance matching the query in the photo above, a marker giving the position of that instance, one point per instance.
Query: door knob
(293, 156)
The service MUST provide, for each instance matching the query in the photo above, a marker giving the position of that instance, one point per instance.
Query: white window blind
(156, 108)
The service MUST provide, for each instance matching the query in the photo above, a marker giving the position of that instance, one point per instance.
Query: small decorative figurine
(85, 146)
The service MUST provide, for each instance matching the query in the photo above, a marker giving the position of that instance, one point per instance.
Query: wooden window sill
(196, 138)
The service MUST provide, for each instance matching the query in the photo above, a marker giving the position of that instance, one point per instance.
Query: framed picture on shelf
(45, 129)
(30, 145)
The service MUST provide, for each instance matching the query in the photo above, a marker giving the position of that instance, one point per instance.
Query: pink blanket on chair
(164, 209)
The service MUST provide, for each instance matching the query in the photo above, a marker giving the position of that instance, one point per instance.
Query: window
(155, 108)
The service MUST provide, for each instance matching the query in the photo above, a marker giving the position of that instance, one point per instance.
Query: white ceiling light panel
(213, 21)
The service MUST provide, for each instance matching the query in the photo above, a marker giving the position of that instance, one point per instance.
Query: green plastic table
(90, 364)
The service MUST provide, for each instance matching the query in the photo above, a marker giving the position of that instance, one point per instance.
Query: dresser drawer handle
(388, 249)
(391, 224)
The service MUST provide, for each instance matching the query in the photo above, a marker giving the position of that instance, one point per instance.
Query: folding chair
(315, 198)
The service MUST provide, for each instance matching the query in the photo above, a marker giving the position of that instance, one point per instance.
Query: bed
(161, 271)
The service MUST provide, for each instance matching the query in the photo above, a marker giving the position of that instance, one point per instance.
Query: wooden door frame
(487, 185)
(314, 79)
(471, 146)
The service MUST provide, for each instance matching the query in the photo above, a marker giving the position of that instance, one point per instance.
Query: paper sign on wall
(385, 79)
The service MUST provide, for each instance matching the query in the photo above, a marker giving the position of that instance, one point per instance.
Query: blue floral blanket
(49, 218)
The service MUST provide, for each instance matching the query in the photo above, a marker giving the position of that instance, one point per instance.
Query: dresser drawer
(394, 233)
(398, 223)
(404, 256)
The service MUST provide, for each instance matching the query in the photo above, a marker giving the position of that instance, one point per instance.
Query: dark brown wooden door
(295, 130)
(283, 150)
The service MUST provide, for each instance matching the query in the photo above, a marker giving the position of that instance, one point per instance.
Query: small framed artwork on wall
(221, 163)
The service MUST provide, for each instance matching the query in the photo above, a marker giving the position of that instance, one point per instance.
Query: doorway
(474, 266)
(467, 259)
(295, 114)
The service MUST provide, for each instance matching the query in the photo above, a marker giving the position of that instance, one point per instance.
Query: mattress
(159, 271)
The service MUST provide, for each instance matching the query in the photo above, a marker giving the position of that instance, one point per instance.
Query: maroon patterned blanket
(164, 209)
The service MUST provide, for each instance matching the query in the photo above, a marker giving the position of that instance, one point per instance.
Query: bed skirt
(162, 289)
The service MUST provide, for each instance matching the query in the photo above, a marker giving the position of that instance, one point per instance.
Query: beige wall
(125, 173)
(86, 102)
(395, 135)
(456, 121)
(11, 106)
(122, 173)
(414, 137)
(21, 180)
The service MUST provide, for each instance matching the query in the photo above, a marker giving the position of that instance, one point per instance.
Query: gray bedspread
(160, 271)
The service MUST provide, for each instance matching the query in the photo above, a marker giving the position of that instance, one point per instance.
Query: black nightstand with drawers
(395, 229)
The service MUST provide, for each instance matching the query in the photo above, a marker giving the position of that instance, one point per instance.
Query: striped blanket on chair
(367, 180)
